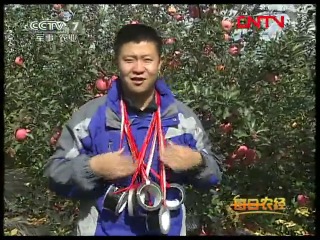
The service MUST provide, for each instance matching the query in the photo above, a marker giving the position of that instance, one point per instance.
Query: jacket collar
(113, 119)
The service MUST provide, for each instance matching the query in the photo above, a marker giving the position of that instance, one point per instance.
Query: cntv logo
(246, 22)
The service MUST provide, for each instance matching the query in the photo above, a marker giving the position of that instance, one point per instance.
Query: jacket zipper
(110, 146)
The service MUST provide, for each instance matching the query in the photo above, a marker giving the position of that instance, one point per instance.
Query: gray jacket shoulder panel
(67, 165)
(188, 112)
(86, 111)
(91, 106)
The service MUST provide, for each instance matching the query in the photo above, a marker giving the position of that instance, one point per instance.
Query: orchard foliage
(255, 98)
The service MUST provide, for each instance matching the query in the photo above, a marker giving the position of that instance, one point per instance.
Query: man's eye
(128, 60)
(148, 60)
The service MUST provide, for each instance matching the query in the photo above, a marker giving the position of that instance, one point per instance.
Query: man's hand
(180, 158)
(113, 165)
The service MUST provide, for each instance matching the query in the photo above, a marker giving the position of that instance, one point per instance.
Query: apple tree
(254, 97)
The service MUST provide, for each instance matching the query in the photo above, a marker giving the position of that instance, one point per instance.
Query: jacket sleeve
(68, 168)
(209, 173)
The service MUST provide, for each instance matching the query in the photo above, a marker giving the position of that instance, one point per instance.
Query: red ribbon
(163, 184)
(139, 156)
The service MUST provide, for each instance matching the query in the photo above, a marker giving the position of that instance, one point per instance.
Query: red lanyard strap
(163, 182)
(139, 156)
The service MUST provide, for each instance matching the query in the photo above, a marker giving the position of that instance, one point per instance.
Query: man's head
(138, 54)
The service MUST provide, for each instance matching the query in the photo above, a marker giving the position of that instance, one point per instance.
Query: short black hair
(136, 33)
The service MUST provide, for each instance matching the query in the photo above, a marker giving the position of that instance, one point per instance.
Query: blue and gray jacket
(95, 129)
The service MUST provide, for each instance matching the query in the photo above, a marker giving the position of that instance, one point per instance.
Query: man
(91, 154)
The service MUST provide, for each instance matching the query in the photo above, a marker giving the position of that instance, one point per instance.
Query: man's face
(139, 64)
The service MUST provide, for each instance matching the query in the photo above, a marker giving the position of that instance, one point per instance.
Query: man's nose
(138, 67)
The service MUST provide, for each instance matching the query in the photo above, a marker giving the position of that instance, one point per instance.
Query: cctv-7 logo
(75, 26)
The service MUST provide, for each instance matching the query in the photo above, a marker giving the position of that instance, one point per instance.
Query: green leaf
(189, 101)
(252, 124)
(226, 113)
(46, 125)
(246, 112)
(195, 89)
(30, 136)
(17, 147)
(258, 154)
(234, 94)
(94, 71)
(263, 130)
(240, 134)
(218, 112)
(206, 108)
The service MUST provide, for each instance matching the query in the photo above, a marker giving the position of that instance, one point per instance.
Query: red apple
(178, 17)
(250, 156)
(170, 41)
(19, 61)
(302, 200)
(101, 85)
(226, 127)
(241, 151)
(234, 50)
(226, 25)
(22, 134)
(194, 11)
(57, 7)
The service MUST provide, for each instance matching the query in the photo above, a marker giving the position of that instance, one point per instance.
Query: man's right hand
(113, 165)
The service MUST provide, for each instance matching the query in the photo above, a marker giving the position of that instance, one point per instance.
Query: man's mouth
(137, 80)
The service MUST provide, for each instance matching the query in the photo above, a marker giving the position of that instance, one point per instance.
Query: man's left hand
(180, 158)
